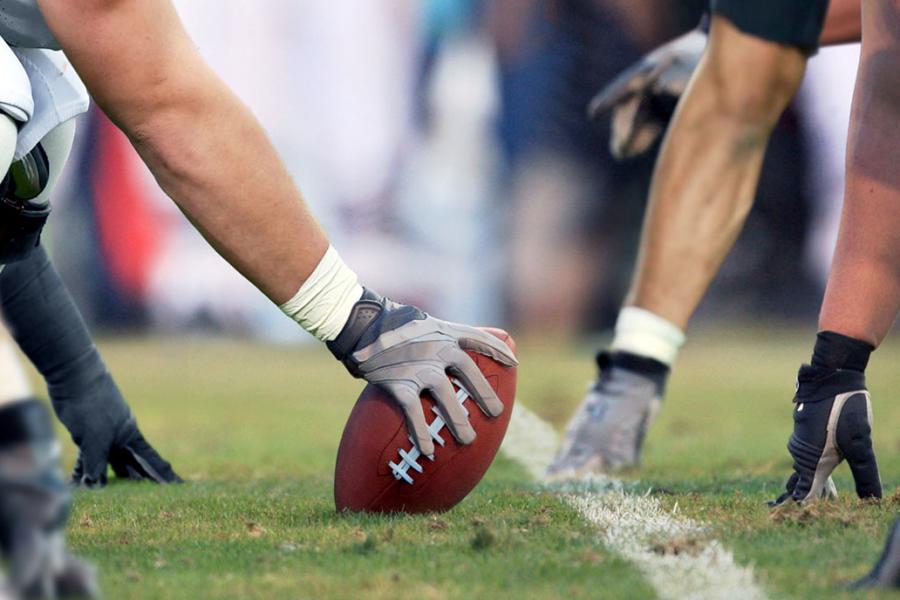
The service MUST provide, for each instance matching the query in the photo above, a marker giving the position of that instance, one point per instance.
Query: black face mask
(21, 219)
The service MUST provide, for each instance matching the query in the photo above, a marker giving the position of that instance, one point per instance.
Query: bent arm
(202, 144)
(843, 25)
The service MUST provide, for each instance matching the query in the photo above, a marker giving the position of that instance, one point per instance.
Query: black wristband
(837, 351)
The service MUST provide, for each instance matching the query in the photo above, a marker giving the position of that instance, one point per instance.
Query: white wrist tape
(323, 304)
(641, 332)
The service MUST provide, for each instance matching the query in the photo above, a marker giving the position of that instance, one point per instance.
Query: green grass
(255, 429)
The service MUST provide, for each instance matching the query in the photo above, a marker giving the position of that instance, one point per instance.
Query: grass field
(254, 429)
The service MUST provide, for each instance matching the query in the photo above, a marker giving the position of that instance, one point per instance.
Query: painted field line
(675, 554)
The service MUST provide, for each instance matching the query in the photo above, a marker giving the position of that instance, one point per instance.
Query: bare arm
(200, 141)
(843, 24)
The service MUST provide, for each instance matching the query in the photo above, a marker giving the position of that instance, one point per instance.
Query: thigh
(792, 22)
(15, 88)
(57, 93)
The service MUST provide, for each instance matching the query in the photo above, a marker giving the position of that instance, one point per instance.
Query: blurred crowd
(445, 147)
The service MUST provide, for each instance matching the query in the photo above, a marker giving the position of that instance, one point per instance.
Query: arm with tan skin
(843, 24)
(200, 141)
(214, 160)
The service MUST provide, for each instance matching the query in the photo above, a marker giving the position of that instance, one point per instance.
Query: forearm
(214, 160)
(843, 24)
(202, 144)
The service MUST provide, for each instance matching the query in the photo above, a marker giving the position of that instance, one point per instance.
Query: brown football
(379, 470)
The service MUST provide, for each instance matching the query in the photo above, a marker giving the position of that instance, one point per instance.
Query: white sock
(14, 385)
(324, 301)
(641, 332)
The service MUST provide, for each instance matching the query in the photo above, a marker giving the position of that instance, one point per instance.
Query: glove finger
(454, 414)
(830, 490)
(482, 342)
(854, 440)
(93, 459)
(78, 470)
(472, 379)
(635, 128)
(409, 402)
(138, 460)
(788, 493)
(634, 80)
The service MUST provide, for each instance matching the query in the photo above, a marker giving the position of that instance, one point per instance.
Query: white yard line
(674, 553)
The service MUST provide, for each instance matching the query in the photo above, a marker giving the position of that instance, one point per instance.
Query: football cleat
(886, 573)
(34, 507)
(608, 431)
(832, 422)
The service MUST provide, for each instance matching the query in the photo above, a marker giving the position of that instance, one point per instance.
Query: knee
(57, 145)
(751, 80)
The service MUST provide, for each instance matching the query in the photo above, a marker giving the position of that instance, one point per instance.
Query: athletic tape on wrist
(325, 300)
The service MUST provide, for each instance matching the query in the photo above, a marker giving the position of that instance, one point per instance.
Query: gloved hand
(50, 331)
(34, 507)
(106, 433)
(406, 352)
(643, 98)
(832, 422)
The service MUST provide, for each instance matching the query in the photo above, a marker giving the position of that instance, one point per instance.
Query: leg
(703, 187)
(707, 173)
(886, 573)
(34, 501)
(13, 383)
(49, 329)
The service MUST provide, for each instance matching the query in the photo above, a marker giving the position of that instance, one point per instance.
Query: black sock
(836, 351)
(632, 362)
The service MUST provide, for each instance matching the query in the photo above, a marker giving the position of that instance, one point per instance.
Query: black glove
(406, 352)
(48, 327)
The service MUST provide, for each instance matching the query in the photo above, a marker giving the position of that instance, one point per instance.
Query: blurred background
(444, 145)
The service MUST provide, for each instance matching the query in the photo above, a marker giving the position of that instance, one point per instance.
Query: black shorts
(793, 22)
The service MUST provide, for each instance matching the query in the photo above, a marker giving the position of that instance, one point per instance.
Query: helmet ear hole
(21, 220)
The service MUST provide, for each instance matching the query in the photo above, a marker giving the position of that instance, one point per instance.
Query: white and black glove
(832, 423)
(643, 98)
(406, 352)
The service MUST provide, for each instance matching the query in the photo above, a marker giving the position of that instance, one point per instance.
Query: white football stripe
(637, 527)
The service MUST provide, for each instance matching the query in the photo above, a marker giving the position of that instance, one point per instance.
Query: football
(378, 468)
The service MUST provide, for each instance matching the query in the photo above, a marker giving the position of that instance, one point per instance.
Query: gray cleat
(34, 506)
(886, 573)
(608, 431)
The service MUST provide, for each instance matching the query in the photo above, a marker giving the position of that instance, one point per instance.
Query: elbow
(160, 128)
